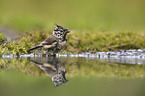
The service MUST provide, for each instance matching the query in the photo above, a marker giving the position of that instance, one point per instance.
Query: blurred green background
(95, 15)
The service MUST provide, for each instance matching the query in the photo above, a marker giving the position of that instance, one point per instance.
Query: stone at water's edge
(132, 53)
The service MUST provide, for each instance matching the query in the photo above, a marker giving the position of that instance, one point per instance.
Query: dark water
(72, 76)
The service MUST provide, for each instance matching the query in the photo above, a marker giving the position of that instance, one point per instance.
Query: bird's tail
(35, 47)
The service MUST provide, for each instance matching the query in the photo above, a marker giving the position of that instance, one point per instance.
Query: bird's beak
(68, 31)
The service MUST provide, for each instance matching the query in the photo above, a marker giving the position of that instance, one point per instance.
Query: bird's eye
(56, 30)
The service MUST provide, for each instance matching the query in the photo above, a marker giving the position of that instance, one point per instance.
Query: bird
(55, 42)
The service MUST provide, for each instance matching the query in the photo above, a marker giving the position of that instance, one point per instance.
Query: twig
(122, 45)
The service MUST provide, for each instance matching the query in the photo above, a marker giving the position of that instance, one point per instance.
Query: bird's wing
(50, 46)
(49, 40)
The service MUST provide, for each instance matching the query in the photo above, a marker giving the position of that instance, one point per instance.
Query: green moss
(2, 44)
(105, 41)
(81, 41)
(25, 42)
(2, 37)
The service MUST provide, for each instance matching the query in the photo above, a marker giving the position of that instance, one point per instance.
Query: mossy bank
(78, 41)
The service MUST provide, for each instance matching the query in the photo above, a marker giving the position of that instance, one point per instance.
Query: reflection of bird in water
(54, 68)
(54, 42)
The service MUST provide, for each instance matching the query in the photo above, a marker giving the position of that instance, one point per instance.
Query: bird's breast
(62, 44)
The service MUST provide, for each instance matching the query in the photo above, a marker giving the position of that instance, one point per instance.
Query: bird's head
(60, 32)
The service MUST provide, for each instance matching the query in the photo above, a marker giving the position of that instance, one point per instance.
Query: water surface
(69, 76)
